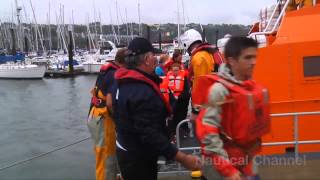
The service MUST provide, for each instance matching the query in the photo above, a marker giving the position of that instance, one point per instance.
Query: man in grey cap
(140, 111)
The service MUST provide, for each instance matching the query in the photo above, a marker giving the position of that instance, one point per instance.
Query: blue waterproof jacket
(140, 114)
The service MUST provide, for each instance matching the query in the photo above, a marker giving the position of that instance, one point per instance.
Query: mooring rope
(42, 155)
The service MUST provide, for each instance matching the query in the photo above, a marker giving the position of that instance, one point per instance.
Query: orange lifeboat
(289, 65)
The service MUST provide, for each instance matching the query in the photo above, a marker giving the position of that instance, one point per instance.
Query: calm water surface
(39, 115)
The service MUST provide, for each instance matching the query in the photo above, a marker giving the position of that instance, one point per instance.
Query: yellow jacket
(99, 111)
(202, 63)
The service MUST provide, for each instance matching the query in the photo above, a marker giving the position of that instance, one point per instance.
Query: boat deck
(308, 171)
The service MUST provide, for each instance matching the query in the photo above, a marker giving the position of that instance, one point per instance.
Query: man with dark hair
(140, 112)
(229, 125)
(100, 121)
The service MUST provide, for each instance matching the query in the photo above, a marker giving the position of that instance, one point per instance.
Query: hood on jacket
(136, 74)
(124, 73)
(225, 72)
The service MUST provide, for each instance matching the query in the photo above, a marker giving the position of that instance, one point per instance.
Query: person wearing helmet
(205, 59)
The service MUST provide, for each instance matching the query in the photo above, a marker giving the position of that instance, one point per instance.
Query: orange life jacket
(164, 88)
(176, 83)
(245, 115)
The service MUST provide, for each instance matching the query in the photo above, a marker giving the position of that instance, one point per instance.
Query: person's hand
(193, 117)
(236, 176)
(193, 163)
(190, 162)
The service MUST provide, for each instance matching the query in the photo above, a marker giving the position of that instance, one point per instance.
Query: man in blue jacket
(140, 112)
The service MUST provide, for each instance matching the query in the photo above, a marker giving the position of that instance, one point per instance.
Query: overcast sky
(152, 11)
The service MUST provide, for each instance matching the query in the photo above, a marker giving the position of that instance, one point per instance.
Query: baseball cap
(140, 45)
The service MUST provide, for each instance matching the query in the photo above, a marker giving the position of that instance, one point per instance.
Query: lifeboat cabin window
(311, 66)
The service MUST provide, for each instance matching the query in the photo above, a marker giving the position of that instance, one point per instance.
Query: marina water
(37, 116)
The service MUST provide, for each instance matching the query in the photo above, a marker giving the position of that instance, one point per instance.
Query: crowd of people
(139, 99)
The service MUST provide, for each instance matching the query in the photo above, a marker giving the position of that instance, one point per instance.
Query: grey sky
(152, 11)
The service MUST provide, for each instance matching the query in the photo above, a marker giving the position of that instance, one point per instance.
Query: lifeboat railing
(273, 15)
(296, 142)
(282, 13)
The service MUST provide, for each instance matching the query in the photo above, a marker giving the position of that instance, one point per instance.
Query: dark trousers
(137, 165)
(180, 110)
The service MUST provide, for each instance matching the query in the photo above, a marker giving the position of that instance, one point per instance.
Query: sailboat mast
(139, 16)
(131, 30)
(117, 13)
(18, 9)
(127, 26)
(178, 16)
(113, 29)
(2, 45)
(89, 34)
(73, 39)
(100, 23)
(7, 42)
(183, 15)
(57, 31)
(49, 28)
(62, 31)
(28, 36)
(95, 22)
(37, 29)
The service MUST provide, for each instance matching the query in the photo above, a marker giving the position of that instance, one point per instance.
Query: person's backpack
(245, 113)
(217, 56)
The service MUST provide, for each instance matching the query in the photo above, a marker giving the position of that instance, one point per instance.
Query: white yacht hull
(92, 67)
(24, 72)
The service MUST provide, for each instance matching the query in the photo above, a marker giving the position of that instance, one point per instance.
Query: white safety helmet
(227, 36)
(189, 37)
(223, 41)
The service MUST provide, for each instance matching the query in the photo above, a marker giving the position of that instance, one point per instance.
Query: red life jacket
(100, 102)
(217, 56)
(107, 66)
(124, 73)
(245, 115)
(176, 83)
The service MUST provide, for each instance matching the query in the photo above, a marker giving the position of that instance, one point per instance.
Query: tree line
(123, 33)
